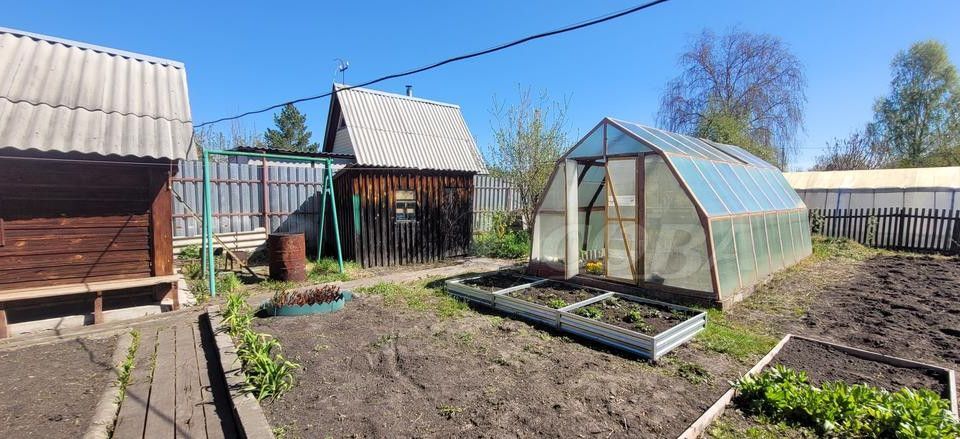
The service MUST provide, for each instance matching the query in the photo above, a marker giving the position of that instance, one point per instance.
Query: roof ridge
(92, 47)
(339, 86)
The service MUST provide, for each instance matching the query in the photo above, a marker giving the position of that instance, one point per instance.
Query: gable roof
(393, 130)
(62, 95)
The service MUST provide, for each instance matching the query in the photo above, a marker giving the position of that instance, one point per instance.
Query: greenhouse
(676, 215)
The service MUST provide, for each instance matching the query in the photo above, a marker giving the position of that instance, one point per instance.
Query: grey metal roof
(393, 130)
(61, 95)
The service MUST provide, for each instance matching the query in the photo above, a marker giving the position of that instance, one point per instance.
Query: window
(406, 206)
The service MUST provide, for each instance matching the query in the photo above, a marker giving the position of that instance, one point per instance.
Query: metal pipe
(207, 226)
(268, 155)
(333, 206)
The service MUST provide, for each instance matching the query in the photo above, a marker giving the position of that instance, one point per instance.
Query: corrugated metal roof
(945, 177)
(393, 130)
(61, 95)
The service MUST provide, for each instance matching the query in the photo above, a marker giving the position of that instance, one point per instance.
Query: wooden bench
(95, 288)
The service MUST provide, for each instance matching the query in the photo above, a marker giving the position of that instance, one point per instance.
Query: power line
(497, 48)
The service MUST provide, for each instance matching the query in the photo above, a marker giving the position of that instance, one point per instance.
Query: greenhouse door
(621, 239)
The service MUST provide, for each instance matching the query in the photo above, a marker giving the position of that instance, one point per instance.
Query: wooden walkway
(176, 389)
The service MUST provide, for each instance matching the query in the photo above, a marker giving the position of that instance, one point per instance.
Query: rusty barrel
(288, 256)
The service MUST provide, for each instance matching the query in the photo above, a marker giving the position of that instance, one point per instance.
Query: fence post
(955, 235)
(266, 196)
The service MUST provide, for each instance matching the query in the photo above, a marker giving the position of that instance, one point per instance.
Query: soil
(376, 371)
(655, 319)
(546, 292)
(497, 281)
(897, 305)
(51, 390)
(826, 363)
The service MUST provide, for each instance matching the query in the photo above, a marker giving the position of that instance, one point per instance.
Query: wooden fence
(907, 229)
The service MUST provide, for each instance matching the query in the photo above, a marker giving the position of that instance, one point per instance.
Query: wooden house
(408, 196)
(88, 140)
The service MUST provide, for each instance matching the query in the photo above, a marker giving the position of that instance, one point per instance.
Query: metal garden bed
(565, 319)
(479, 295)
(648, 346)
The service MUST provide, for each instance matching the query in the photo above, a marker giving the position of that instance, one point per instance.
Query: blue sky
(243, 56)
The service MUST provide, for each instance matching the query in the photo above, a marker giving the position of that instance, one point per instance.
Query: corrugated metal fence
(292, 195)
(491, 195)
(237, 197)
(909, 229)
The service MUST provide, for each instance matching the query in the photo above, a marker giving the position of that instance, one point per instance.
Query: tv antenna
(342, 67)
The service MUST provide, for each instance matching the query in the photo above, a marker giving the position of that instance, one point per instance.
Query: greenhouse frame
(714, 220)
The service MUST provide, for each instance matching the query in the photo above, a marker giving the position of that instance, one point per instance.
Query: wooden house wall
(370, 233)
(71, 222)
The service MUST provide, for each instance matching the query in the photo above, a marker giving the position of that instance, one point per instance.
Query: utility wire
(565, 29)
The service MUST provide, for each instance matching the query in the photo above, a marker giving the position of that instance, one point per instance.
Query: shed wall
(367, 212)
(71, 222)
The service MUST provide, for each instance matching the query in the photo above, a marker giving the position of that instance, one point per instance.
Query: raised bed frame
(564, 319)
(479, 295)
(714, 411)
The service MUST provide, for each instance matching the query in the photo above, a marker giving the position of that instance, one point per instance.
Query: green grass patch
(418, 296)
(764, 430)
(327, 270)
(737, 341)
(126, 368)
(825, 248)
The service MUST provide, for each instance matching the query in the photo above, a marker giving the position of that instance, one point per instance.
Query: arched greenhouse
(680, 217)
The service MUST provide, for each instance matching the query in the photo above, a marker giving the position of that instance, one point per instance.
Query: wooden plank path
(176, 387)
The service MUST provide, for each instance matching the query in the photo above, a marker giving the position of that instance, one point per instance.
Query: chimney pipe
(409, 90)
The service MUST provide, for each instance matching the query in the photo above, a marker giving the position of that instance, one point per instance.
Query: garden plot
(643, 327)
(481, 289)
(823, 364)
(640, 326)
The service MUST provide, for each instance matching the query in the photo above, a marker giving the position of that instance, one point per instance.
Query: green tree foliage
(742, 88)
(529, 138)
(291, 133)
(920, 119)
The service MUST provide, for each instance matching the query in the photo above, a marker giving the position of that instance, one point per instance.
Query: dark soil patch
(641, 317)
(52, 390)
(497, 281)
(826, 363)
(552, 293)
(902, 306)
(376, 371)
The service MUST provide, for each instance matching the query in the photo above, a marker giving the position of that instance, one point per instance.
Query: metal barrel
(288, 256)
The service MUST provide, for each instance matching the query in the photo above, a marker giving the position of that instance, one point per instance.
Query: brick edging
(250, 420)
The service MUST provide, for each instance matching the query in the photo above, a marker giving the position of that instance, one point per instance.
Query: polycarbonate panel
(692, 151)
(860, 200)
(721, 186)
(742, 154)
(743, 237)
(791, 195)
(724, 251)
(760, 249)
(805, 229)
(749, 193)
(799, 248)
(590, 146)
(621, 263)
(714, 153)
(619, 142)
(675, 252)
(699, 186)
(549, 240)
(589, 187)
(759, 182)
(622, 188)
(773, 242)
(554, 199)
(643, 133)
(787, 238)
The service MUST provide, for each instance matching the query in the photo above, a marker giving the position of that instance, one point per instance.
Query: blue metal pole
(207, 227)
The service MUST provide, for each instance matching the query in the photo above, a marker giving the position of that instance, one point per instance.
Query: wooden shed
(88, 139)
(408, 198)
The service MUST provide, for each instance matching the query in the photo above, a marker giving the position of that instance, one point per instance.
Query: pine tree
(291, 133)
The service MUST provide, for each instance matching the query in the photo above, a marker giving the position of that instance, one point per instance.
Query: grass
(825, 248)
(765, 430)
(449, 411)
(126, 368)
(735, 340)
(419, 297)
(327, 270)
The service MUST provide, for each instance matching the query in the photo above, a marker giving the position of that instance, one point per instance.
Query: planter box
(535, 311)
(652, 347)
(479, 295)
